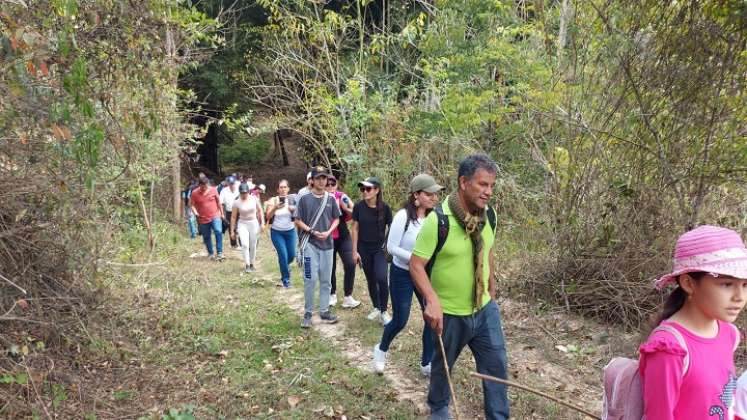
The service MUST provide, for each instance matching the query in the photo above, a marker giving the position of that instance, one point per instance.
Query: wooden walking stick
(448, 377)
(534, 391)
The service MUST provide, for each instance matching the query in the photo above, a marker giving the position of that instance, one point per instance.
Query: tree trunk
(281, 147)
(565, 15)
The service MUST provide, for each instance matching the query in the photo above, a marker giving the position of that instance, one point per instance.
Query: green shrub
(244, 151)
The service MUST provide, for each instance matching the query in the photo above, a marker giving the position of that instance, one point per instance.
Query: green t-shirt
(452, 276)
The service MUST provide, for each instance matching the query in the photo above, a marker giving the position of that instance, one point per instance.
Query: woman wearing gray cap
(247, 221)
(402, 234)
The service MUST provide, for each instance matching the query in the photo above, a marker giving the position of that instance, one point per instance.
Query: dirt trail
(533, 359)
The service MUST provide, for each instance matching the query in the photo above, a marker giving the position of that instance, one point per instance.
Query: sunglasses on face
(331, 184)
(366, 189)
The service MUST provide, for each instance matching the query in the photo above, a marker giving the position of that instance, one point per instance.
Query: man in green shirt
(458, 287)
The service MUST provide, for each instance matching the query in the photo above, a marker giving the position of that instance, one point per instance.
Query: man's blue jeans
(401, 289)
(483, 333)
(285, 245)
(216, 225)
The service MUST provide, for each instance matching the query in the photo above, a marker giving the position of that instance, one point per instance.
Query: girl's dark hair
(675, 301)
(412, 209)
(379, 208)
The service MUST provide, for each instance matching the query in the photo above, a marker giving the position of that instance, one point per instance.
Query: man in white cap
(309, 185)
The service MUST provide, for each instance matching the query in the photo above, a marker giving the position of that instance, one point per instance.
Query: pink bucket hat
(710, 249)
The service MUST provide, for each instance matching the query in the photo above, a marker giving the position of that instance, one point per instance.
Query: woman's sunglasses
(331, 183)
(366, 189)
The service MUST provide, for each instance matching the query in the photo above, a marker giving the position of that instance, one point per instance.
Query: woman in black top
(371, 219)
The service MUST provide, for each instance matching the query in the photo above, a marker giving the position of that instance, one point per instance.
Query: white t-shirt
(400, 243)
(282, 220)
(740, 397)
(227, 197)
(303, 191)
(247, 208)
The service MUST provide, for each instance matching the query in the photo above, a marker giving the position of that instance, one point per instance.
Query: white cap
(262, 187)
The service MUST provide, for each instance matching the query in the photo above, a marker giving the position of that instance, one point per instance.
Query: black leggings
(374, 266)
(344, 248)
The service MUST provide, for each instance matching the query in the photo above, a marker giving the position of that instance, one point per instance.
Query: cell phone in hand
(282, 200)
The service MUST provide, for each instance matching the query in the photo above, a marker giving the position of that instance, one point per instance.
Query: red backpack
(623, 394)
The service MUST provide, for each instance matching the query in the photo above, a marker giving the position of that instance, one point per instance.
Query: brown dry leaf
(31, 67)
(13, 43)
(24, 139)
(23, 303)
(57, 131)
(61, 133)
(44, 69)
(293, 401)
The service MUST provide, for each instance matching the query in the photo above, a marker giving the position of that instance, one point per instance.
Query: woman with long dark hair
(343, 247)
(371, 218)
(405, 227)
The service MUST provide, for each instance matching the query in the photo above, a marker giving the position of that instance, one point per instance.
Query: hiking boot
(349, 302)
(211, 257)
(333, 299)
(385, 318)
(328, 317)
(379, 360)
(286, 283)
(220, 257)
(247, 269)
(374, 315)
(306, 322)
(426, 370)
(440, 414)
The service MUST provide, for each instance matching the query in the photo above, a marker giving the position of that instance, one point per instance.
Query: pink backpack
(623, 394)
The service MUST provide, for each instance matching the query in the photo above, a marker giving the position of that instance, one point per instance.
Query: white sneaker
(333, 299)
(426, 370)
(374, 315)
(379, 360)
(349, 302)
(385, 318)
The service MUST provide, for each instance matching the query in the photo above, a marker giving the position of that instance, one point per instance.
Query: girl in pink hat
(687, 363)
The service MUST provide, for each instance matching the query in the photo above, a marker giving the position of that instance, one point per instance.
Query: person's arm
(433, 313)
(234, 219)
(354, 237)
(260, 215)
(347, 208)
(334, 215)
(491, 277)
(323, 235)
(271, 208)
(396, 232)
(192, 206)
(220, 206)
(425, 246)
(662, 365)
(302, 226)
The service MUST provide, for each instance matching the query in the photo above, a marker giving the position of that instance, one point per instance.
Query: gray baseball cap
(424, 182)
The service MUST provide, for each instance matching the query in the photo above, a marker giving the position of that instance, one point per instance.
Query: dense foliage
(618, 125)
(91, 129)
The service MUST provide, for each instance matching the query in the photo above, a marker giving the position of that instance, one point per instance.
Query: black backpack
(443, 232)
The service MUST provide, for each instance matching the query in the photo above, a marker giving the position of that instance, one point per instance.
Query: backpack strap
(681, 340)
(443, 232)
(492, 218)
